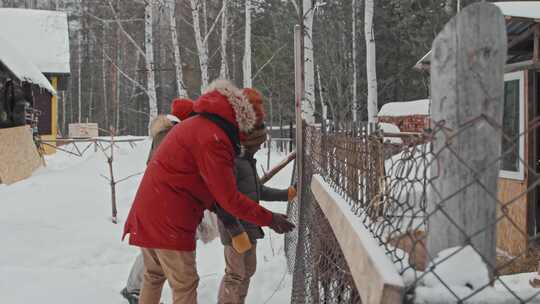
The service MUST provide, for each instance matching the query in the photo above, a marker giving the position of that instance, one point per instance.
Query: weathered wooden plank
(277, 168)
(531, 142)
(374, 274)
(83, 130)
(467, 86)
(536, 43)
(522, 37)
(19, 157)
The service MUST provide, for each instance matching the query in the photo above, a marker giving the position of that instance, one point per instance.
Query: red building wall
(413, 123)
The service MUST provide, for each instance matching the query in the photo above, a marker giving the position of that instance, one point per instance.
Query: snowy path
(59, 246)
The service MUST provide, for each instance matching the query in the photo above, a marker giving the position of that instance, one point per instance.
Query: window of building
(513, 143)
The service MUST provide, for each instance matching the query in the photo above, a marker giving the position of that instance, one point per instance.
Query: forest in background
(115, 74)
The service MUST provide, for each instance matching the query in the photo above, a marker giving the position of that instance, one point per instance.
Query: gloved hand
(291, 193)
(281, 224)
(241, 242)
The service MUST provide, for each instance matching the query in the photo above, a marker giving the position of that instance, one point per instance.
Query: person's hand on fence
(291, 193)
(280, 223)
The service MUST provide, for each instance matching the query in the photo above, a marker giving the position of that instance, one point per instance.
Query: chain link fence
(393, 186)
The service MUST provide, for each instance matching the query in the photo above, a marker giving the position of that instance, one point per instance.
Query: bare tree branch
(129, 37)
(125, 74)
(269, 60)
(128, 177)
(295, 5)
(213, 24)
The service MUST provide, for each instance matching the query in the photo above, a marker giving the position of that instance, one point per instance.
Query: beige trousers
(238, 272)
(176, 267)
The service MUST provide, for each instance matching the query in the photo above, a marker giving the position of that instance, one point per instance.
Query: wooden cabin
(42, 38)
(520, 167)
(20, 75)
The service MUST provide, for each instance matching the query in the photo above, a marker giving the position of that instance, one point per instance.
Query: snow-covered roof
(521, 9)
(405, 108)
(22, 68)
(41, 36)
(518, 9)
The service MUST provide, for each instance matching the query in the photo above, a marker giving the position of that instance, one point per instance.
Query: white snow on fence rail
(21, 68)
(41, 36)
(373, 272)
(405, 108)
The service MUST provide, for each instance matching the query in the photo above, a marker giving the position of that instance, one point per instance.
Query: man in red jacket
(190, 170)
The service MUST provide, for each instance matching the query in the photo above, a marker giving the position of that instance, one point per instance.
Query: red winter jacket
(191, 169)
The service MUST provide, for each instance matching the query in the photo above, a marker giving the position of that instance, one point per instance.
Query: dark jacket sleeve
(215, 161)
(230, 223)
(273, 195)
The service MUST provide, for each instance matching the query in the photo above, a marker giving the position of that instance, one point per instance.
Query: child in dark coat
(240, 237)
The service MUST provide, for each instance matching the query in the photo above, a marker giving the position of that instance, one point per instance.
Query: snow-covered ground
(59, 245)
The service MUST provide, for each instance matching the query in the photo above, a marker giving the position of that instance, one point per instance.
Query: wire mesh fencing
(397, 187)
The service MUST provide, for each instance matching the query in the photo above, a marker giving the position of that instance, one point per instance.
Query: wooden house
(42, 38)
(19, 79)
(520, 167)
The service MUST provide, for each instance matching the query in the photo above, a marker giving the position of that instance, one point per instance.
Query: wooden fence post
(291, 136)
(467, 88)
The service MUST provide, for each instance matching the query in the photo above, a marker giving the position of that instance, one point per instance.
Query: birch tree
(79, 75)
(321, 96)
(247, 48)
(224, 69)
(149, 51)
(180, 87)
(202, 47)
(202, 36)
(104, 76)
(371, 71)
(308, 107)
(354, 64)
(147, 54)
(79, 60)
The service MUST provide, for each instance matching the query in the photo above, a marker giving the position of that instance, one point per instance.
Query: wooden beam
(521, 37)
(511, 67)
(518, 66)
(536, 49)
(531, 145)
(519, 19)
(18, 153)
(373, 273)
(266, 177)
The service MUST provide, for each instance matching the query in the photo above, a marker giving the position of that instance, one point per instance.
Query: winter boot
(132, 297)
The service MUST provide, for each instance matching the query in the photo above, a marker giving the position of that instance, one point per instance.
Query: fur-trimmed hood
(227, 101)
(159, 124)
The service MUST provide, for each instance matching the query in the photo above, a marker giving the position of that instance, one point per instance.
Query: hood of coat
(224, 99)
(159, 124)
